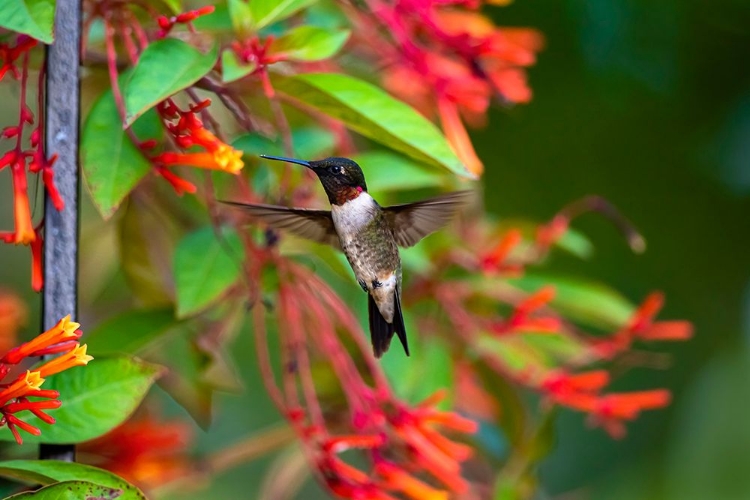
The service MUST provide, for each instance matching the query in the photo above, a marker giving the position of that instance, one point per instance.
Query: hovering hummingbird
(368, 234)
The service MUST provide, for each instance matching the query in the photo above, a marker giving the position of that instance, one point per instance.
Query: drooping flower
(188, 131)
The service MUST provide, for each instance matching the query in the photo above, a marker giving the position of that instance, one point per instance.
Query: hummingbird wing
(413, 221)
(315, 225)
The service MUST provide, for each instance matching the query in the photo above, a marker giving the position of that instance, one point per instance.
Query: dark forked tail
(381, 332)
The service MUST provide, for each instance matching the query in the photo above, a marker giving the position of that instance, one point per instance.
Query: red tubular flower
(75, 357)
(642, 326)
(64, 330)
(559, 385)
(396, 479)
(433, 452)
(167, 23)
(9, 54)
(24, 232)
(611, 410)
(13, 313)
(13, 399)
(37, 275)
(144, 450)
(495, 261)
(188, 131)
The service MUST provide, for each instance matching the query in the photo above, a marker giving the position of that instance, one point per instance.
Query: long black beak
(290, 160)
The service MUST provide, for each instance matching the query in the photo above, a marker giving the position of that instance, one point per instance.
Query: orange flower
(145, 451)
(558, 383)
(23, 386)
(495, 260)
(396, 479)
(74, 357)
(65, 330)
(24, 233)
(458, 138)
(224, 158)
(12, 315)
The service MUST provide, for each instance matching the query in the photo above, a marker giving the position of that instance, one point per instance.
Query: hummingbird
(368, 234)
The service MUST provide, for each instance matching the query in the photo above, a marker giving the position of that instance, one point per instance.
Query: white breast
(353, 215)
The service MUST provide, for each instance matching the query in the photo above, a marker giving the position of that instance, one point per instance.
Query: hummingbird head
(342, 178)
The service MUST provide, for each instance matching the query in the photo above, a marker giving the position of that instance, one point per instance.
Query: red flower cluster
(582, 392)
(14, 397)
(510, 343)
(450, 61)
(408, 453)
(15, 60)
(643, 327)
(188, 131)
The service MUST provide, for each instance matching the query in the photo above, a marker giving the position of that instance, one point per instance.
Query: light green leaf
(242, 19)
(165, 67)
(574, 242)
(232, 68)
(174, 5)
(112, 165)
(51, 471)
(96, 398)
(265, 12)
(35, 18)
(205, 268)
(309, 43)
(130, 331)
(70, 490)
(373, 113)
(391, 172)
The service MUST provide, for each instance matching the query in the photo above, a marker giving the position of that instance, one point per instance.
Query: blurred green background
(647, 104)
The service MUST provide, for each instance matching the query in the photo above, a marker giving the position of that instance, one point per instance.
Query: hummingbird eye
(335, 169)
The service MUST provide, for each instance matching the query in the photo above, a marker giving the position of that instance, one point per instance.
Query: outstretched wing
(413, 221)
(315, 225)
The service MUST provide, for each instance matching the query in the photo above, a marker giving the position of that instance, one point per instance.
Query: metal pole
(60, 295)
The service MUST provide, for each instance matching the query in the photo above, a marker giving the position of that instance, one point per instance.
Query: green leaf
(51, 471)
(513, 417)
(576, 244)
(309, 43)
(186, 378)
(147, 234)
(35, 18)
(164, 68)
(308, 143)
(130, 331)
(71, 490)
(204, 268)
(587, 302)
(174, 5)
(429, 369)
(112, 165)
(96, 399)
(242, 19)
(265, 12)
(373, 113)
(218, 20)
(232, 68)
(391, 172)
